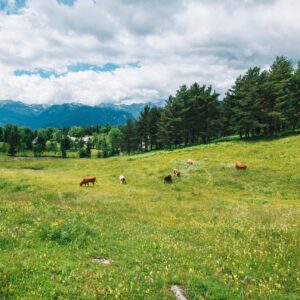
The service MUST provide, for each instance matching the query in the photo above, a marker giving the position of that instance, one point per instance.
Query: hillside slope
(217, 232)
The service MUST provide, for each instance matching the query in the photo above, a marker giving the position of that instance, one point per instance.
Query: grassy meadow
(217, 232)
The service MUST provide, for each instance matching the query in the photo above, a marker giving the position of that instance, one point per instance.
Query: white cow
(122, 179)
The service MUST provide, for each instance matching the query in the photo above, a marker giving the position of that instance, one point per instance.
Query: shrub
(82, 153)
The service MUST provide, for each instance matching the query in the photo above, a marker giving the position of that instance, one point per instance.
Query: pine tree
(279, 77)
(104, 149)
(182, 109)
(168, 125)
(292, 100)
(129, 137)
(88, 150)
(244, 105)
(211, 115)
(154, 117)
(63, 146)
(231, 109)
(143, 128)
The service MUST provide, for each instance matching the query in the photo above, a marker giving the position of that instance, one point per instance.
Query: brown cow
(190, 162)
(86, 180)
(240, 166)
(168, 179)
(176, 173)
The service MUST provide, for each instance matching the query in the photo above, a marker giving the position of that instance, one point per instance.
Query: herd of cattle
(167, 179)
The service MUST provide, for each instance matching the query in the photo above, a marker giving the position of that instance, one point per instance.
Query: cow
(168, 179)
(86, 180)
(190, 162)
(176, 173)
(122, 179)
(240, 166)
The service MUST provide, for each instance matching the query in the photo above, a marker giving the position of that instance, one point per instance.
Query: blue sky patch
(79, 67)
(12, 7)
(39, 72)
(134, 65)
(67, 2)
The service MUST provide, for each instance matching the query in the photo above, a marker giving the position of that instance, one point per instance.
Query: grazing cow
(168, 179)
(122, 179)
(86, 180)
(190, 162)
(176, 173)
(240, 166)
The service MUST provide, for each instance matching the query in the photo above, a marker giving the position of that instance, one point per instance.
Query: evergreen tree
(167, 124)
(154, 117)
(1, 134)
(182, 116)
(244, 105)
(63, 146)
(292, 101)
(194, 113)
(143, 128)
(204, 123)
(129, 137)
(279, 78)
(88, 148)
(231, 108)
(12, 138)
(104, 148)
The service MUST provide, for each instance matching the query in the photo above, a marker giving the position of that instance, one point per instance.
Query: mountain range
(67, 114)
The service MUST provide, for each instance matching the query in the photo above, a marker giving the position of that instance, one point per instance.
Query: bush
(105, 153)
(82, 153)
(3, 147)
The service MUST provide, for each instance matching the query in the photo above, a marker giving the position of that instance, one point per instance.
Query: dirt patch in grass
(33, 168)
(102, 261)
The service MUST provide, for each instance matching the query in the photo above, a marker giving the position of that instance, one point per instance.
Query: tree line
(15, 139)
(261, 102)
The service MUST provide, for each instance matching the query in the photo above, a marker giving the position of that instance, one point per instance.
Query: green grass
(217, 232)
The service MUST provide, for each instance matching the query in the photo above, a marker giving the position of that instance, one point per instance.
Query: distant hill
(135, 108)
(65, 115)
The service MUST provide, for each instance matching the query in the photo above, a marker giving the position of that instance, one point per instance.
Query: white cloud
(175, 41)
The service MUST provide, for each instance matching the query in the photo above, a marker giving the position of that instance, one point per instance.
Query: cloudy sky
(95, 51)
